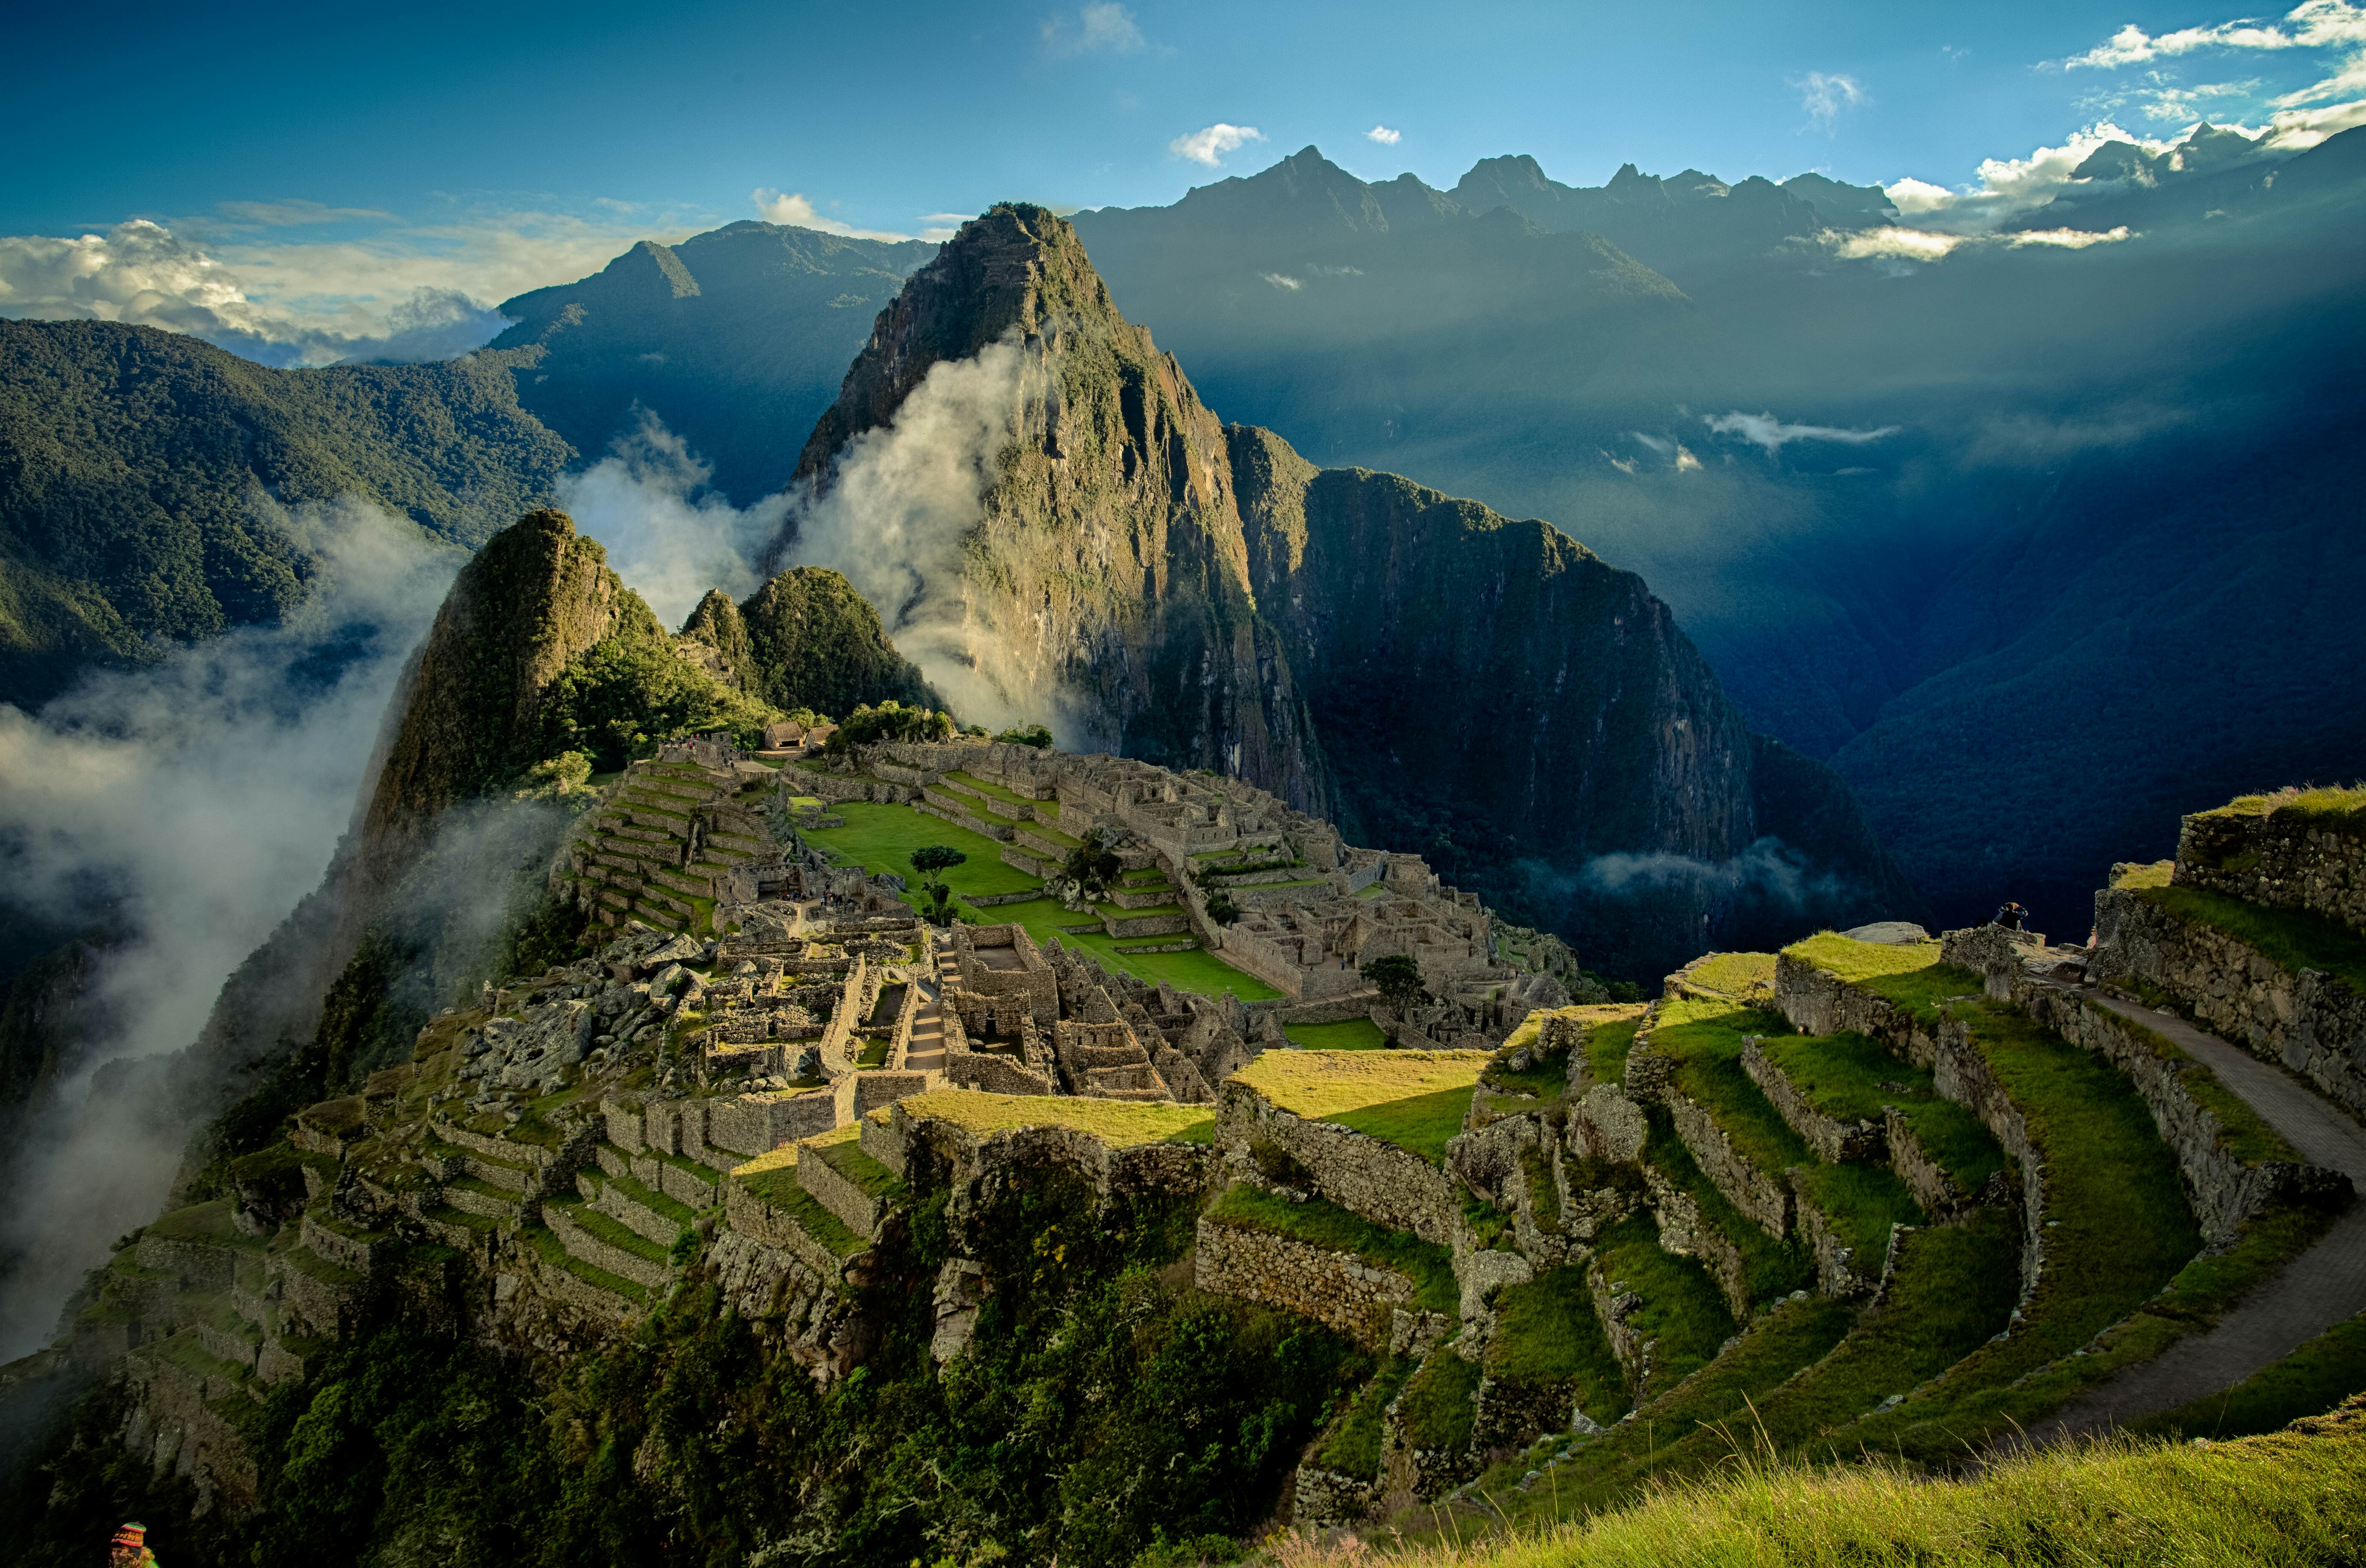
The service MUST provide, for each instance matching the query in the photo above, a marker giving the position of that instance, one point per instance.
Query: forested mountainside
(136, 466)
(1875, 485)
(737, 338)
(1452, 681)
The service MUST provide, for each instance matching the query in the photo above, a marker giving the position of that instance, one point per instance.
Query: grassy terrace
(1705, 1038)
(1352, 1035)
(1121, 1124)
(603, 1227)
(1862, 1202)
(1769, 1268)
(1733, 974)
(1352, 1447)
(1909, 974)
(1436, 1409)
(657, 1202)
(1194, 969)
(1415, 1100)
(2286, 937)
(1545, 1332)
(1682, 1308)
(1321, 1223)
(2331, 806)
(553, 1252)
(772, 1179)
(995, 791)
(840, 1151)
(1851, 1078)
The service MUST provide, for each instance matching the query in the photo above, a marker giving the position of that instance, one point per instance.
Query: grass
(1769, 1268)
(1351, 1035)
(1193, 970)
(1606, 1045)
(2285, 937)
(1415, 1100)
(1862, 1202)
(2333, 805)
(1705, 1038)
(2242, 1131)
(1321, 1223)
(1682, 1308)
(657, 1202)
(604, 1228)
(2315, 1378)
(2156, 875)
(995, 791)
(841, 1151)
(777, 1185)
(1352, 1447)
(1844, 1076)
(1732, 974)
(1545, 1332)
(446, 1215)
(2291, 1500)
(552, 1250)
(1121, 1124)
(1436, 1411)
(1907, 974)
(882, 838)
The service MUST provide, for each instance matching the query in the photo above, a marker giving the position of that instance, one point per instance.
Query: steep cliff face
(1434, 677)
(532, 600)
(1101, 581)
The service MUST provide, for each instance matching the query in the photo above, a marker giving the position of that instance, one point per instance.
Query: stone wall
(1513, 1413)
(1838, 1271)
(2283, 860)
(175, 1428)
(581, 1243)
(1338, 1290)
(2309, 1021)
(994, 1074)
(2224, 1191)
(1763, 1197)
(748, 1215)
(1321, 1499)
(1388, 1185)
(1686, 1233)
(1832, 1139)
(1962, 1075)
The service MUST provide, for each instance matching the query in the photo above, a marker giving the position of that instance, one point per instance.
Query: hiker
(2011, 916)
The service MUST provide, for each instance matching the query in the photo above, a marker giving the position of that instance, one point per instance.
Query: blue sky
(325, 164)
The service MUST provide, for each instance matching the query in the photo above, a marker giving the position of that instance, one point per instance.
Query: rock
(1897, 933)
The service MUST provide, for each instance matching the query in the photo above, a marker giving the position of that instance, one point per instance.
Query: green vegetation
(811, 642)
(1035, 736)
(1545, 1332)
(1352, 1447)
(601, 1227)
(1422, 1123)
(1863, 1201)
(2287, 937)
(1770, 1269)
(2334, 806)
(1349, 1035)
(553, 1252)
(888, 721)
(1851, 1078)
(2242, 1131)
(841, 1151)
(2313, 1379)
(777, 1186)
(1704, 1039)
(1121, 1124)
(1732, 975)
(1435, 1409)
(1908, 974)
(1398, 980)
(1193, 970)
(1682, 1308)
(882, 838)
(1321, 1223)
(1606, 1045)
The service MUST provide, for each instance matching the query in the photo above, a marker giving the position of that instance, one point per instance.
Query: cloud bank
(189, 804)
(666, 535)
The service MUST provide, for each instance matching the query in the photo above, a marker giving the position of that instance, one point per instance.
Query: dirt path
(2323, 1286)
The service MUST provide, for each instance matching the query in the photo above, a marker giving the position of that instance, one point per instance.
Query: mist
(668, 535)
(900, 499)
(186, 806)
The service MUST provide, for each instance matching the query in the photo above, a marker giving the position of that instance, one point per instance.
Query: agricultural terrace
(881, 839)
(1121, 1124)
(1415, 1100)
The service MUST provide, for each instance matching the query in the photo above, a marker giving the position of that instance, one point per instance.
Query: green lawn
(1843, 1077)
(1682, 1308)
(995, 791)
(1769, 1268)
(1546, 1331)
(1862, 1202)
(2287, 937)
(1705, 1038)
(1606, 1045)
(1194, 969)
(1352, 1035)
(882, 838)
(1352, 1446)
(1436, 1409)
(1415, 1100)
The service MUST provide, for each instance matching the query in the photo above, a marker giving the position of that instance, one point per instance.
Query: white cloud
(1103, 27)
(2068, 238)
(667, 534)
(1384, 135)
(2298, 130)
(1209, 144)
(1893, 243)
(2315, 23)
(2008, 186)
(1767, 431)
(1824, 95)
(1685, 462)
(2184, 105)
(791, 207)
(1282, 281)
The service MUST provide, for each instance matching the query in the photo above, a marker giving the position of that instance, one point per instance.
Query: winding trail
(2323, 1286)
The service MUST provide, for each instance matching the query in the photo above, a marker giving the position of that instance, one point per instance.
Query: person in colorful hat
(129, 1549)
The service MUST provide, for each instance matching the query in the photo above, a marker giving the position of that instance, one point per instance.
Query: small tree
(1222, 909)
(1035, 736)
(931, 861)
(1398, 979)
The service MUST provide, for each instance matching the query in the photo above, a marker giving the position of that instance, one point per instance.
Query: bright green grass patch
(657, 1202)
(1853, 960)
(882, 838)
(778, 1188)
(1851, 1078)
(2286, 937)
(1705, 1038)
(1769, 1268)
(972, 781)
(844, 1155)
(1422, 1123)
(1350, 1034)
(604, 1228)
(1415, 1100)
(2156, 875)
(2313, 1379)
(1547, 1331)
(2335, 805)
(1682, 1308)
(1194, 969)
(1862, 1202)
(483, 1225)
(1436, 1409)
(1121, 1124)
(1321, 1223)
(1733, 974)
(1352, 1447)
(551, 1251)
(1606, 1045)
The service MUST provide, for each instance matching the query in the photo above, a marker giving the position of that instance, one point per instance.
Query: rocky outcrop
(807, 640)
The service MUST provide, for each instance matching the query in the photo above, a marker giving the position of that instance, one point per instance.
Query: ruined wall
(2283, 860)
(1832, 1139)
(1386, 1184)
(1339, 1290)
(2309, 1022)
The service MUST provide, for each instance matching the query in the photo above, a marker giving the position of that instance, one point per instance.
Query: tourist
(2011, 915)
